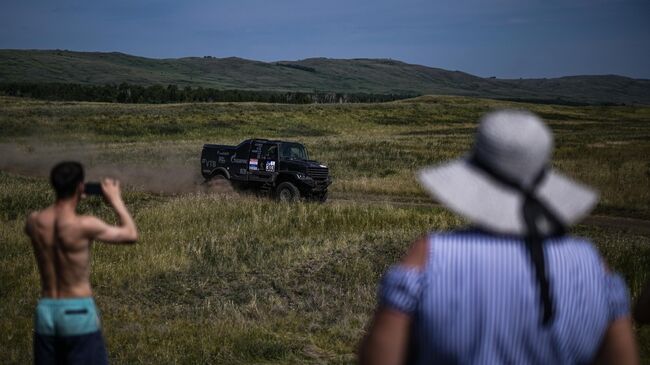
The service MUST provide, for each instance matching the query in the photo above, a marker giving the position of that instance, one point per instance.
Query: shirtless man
(66, 323)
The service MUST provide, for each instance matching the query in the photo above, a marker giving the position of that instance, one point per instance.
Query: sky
(502, 38)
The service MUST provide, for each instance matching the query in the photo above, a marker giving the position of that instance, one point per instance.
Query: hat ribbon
(532, 210)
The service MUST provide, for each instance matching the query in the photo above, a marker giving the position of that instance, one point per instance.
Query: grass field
(238, 279)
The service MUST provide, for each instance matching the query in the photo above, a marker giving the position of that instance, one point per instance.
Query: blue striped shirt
(476, 301)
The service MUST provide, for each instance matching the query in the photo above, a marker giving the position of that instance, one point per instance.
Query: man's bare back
(61, 240)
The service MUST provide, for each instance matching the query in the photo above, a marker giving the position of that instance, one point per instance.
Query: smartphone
(93, 188)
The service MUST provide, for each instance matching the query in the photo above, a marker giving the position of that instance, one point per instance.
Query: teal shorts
(66, 317)
(67, 331)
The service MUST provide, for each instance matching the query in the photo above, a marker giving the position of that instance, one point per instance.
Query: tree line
(159, 94)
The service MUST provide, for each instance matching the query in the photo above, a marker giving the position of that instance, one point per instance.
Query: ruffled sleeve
(617, 296)
(400, 288)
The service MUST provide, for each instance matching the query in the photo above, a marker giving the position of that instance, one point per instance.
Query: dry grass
(235, 279)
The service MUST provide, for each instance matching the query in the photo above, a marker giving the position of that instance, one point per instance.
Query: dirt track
(638, 226)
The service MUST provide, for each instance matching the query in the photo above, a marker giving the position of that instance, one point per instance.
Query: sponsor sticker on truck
(252, 164)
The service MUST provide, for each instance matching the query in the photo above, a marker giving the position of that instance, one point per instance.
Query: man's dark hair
(65, 177)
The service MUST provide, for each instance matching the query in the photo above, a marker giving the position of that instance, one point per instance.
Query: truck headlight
(302, 176)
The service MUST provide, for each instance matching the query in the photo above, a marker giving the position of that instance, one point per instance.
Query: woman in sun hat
(514, 289)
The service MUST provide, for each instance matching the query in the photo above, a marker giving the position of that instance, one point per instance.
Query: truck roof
(210, 145)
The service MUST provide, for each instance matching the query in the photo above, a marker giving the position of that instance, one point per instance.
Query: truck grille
(318, 173)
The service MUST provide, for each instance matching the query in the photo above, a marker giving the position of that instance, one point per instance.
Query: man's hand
(111, 190)
(126, 231)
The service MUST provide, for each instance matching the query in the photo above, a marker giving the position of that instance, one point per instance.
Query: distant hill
(373, 76)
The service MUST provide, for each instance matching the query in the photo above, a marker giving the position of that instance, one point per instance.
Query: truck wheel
(322, 198)
(287, 192)
(218, 184)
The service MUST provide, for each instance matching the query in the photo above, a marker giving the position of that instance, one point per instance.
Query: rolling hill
(373, 76)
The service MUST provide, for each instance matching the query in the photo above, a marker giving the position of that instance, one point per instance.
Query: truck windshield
(290, 151)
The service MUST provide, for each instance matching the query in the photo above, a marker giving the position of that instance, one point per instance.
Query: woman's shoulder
(417, 254)
(434, 244)
(479, 235)
(465, 239)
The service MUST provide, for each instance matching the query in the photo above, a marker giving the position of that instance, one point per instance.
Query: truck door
(239, 162)
(269, 160)
(262, 162)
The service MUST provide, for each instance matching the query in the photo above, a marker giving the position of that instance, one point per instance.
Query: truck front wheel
(287, 192)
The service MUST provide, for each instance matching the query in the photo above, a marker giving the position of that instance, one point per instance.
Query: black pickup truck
(282, 169)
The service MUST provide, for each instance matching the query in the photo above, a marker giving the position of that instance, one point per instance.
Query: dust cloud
(168, 175)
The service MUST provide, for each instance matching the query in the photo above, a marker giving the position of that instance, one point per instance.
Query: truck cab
(280, 168)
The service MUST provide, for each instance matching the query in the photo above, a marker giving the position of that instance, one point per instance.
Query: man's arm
(125, 232)
(388, 336)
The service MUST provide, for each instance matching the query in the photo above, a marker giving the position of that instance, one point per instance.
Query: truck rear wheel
(287, 192)
(218, 184)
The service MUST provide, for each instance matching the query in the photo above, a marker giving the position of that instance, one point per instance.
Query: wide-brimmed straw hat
(510, 160)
